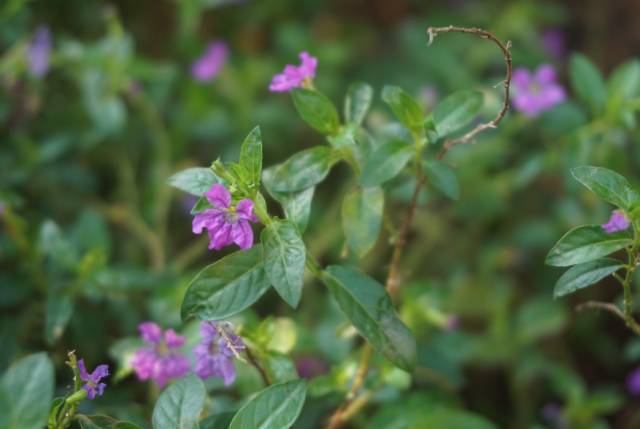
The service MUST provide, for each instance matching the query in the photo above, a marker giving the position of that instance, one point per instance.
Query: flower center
(535, 88)
(162, 349)
(214, 348)
(231, 216)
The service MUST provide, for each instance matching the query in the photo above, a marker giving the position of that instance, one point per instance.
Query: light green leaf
(58, 311)
(385, 162)
(195, 181)
(587, 82)
(367, 305)
(316, 110)
(227, 286)
(179, 406)
(362, 211)
(26, 391)
(251, 157)
(284, 258)
(443, 178)
(404, 107)
(357, 102)
(624, 82)
(457, 111)
(584, 244)
(608, 185)
(276, 407)
(303, 170)
(583, 275)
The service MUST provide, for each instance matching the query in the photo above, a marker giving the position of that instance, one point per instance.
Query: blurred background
(93, 241)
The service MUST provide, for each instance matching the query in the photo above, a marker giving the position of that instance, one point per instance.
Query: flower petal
(150, 332)
(242, 234)
(218, 196)
(84, 375)
(245, 209)
(173, 340)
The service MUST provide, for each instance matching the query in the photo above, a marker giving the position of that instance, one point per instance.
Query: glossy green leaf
(367, 305)
(58, 311)
(587, 82)
(362, 211)
(316, 110)
(217, 421)
(195, 181)
(104, 422)
(26, 392)
(443, 178)
(404, 107)
(227, 286)
(357, 102)
(302, 170)
(296, 205)
(385, 162)
(586, 243)
(251, 157)
(583, 275)
(284, 259)
(276, 407)
(457, 111)
(608, 185)
(179, 406)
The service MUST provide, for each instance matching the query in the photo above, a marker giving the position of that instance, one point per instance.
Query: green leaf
(586, 243)
(583, 275)
(58, 311)
(227, 286)
(608, 185)
(276, 407)
(362, 211)
(367, 305)
(385, 162)
(201, 205)
(457, 111)
(303, 170)
(404, 107)
(316, 110)
(26, 392)
(284, 257)
(179, 406)
(357, 102)
(443, 178)
(195, 181)
(296, 205)
(217, 421)
(624, 82)
(587, 82)
(104, 422)
(251, 157)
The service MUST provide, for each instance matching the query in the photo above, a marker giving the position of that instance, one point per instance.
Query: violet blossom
(207, 66)
(92, 386)
(215, 353)
(39, 52)
(617, 222)
(554, 43)
(225, 223)
(633, 382)
(161, 361)
(295, 76)
(536, 92)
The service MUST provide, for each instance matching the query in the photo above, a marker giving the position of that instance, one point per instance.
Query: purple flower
(554, 43)
(633, 382)
(537, 92)
(214, 355)
(554, 414)
(39, 52)
(452, 323)
(210, 63)
(311, 366)
(93, 385)
(294, 76)
(617, 222)
(226, 224)
(161, 361)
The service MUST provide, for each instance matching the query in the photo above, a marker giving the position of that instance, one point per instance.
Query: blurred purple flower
(310, 366)
(161, 361)
(93, 385)
(226, 224)
(633, 382)
(554, 43)
(39, 52)
(294, 76)
(617, 222)
(211, 62)
(554, 414)
(188, 201)
(452, 323)
(537, 92)
(429, 96)
(214, 355)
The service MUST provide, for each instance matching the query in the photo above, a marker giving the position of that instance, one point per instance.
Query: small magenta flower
(537, 92)
(633, 382)
(214, 355)
(617, 222)
(211, 62)
(93, 386)
(161, 361)
(39, 52)
(294, 76)
(226, 224)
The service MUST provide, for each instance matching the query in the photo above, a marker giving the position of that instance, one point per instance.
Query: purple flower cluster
(617, 222)
(162, 361)
(295, 76)
(536, 92)
(206, 67)
(226, 224)
(39, 52)
(92, 385)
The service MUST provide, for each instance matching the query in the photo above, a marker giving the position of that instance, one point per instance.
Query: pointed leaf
(251, 156)
(316, 110)
(608, 185)
(179, 406)
(302, 170)
(362, 211)
(104, 422)
(404, 107)
(583, 275)
(587, 82)
(586, 243)
(443, 178)
(195, 181)
(457, 111)
(386, 161)
(357, 102)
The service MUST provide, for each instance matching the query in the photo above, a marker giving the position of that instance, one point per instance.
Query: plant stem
(254, 362)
